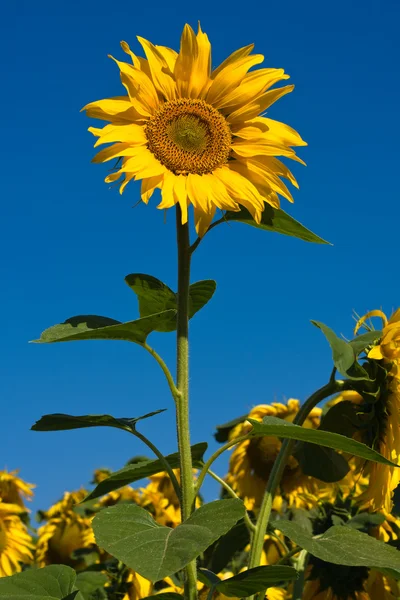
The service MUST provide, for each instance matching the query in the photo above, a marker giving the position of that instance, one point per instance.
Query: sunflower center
(189, 136)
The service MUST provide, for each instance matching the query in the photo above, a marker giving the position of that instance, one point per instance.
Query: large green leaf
(255, 580)
(142, 469)
(91, 585)
(342, 545)
(56, 582)
(61, 422)
(224, 430)
(130, 533)
(320, 462)
(235, 540)
(91, 327)
(280, 428)
(155, 296)
(274, 219)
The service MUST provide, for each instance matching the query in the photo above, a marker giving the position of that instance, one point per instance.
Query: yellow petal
(232, 58)
(184, 63)
(259, 105)
(219, 194)
(180, 195)
(229, 78)
(270, 179)
(202, 220)
(169, 55)
(167, 192)
(140, 88)
(198, 194)
(239, 188)
(138, 61)
(143, 165)
(160, 71)
(111, 109)
(128, 178)
(112, 177)
(148, 187)
(253, 84)
(115, 151)
(282, 133)
(371, 313)
(277, 167)
(132, 133)
(375, 353)
(249, 149)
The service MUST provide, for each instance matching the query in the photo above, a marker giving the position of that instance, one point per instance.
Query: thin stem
(214, 457)
(248, 522)
(330, 388)
(166, 371)
(182, 397)
(301, 568)
(197, 242)
(162, 459)
(288, 555)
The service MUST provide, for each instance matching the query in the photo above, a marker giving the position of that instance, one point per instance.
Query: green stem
(165, 370)
(298, 585)
(330, 388)
(214, 457)
(182, 397)
(288, 555)
(248, 522)
(162, 459)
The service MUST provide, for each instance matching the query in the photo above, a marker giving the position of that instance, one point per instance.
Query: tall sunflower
(198, 134)
(383, 432)
(252, 460)
(15, 542)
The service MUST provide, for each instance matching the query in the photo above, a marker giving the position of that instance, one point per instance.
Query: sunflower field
(309, 508)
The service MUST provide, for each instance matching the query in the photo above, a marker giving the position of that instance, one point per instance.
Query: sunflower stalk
(332, 387)
(182, 396)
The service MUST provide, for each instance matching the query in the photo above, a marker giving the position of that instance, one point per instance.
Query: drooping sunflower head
(388, 348)
(336, 582)
(252, 460)
(15, 542)
(60, 537)
(197, 133)
(13, 489)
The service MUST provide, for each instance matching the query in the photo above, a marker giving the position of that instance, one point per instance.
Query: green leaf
(155, 297)
(220, 554)
(90, 583)
(56, 582)
(361, 342)
(130, 533)
(140, 470)
(320, 462)
(364, 521)
(274, 219)
(255, 580)
(209, 578)
(223, 431)
(280, 428)
(342, 418)
(342, 353)
(61, 422)
(91, 327)
(342, 545)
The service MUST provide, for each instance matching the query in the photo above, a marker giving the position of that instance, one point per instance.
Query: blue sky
(67, 241)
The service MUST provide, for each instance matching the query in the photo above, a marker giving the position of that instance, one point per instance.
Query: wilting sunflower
(384, 431)
(252, 460)
(13, 489)
(198, 134)
(15, 542)
(64, 532)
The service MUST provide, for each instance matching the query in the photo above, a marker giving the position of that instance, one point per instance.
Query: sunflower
(13, 489)
(161, 483)
(327, 581)
(64, 532)
(252, 460)
(197, 134)
(384, 432)
(160, 507)
(15, 542)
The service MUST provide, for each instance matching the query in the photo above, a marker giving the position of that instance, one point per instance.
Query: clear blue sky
(67, 241)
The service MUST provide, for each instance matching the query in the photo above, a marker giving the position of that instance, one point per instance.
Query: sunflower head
(15, 543)
(200, 135)
(13, 489)
(60, 537)
(388, 348)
